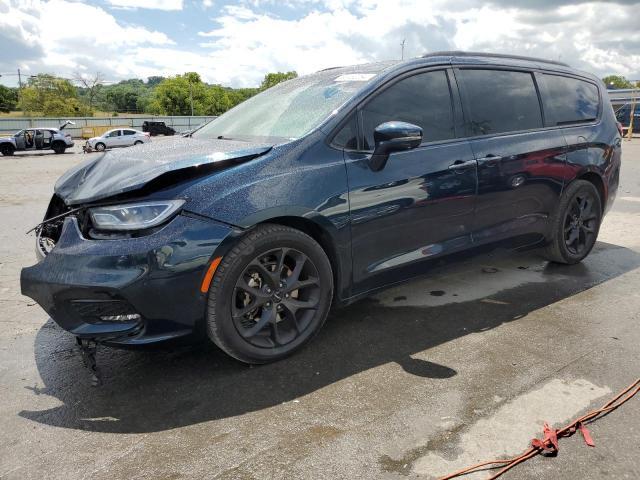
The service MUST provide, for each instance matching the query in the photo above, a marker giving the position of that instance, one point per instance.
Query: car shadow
(170, 387)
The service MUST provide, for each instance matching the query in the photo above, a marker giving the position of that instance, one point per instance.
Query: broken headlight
(134, 216)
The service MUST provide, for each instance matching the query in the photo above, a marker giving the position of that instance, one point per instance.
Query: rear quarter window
(569, 100)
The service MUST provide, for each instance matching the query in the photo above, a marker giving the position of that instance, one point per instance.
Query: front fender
(301, 183)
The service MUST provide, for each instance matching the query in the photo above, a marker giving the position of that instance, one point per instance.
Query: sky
(237, 43)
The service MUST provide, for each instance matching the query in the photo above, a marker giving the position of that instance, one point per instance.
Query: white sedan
(119, 137)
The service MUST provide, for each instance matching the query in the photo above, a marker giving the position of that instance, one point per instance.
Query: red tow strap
(549, 444)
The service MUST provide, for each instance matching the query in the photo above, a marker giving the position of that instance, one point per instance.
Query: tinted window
(501, 101)
(129, 132)
(423, 99)
(570, 100)
(347, 136)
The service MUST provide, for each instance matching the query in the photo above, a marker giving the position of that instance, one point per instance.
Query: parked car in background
(322, 190)
(118, 137)
(37, 139)
(624, 116)
(157, 128)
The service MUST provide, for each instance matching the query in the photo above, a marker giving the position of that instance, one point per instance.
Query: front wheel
(100, 147)
(270, 294)
(7, 149)
(575, 226)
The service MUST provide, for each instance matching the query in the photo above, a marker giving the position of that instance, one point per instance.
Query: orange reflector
(204, 288)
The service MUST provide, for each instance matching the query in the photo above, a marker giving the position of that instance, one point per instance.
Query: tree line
(186, 94)
(52, 96)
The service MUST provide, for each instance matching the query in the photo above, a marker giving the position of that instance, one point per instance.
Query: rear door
(521, 164)
(420, 205)
(128, 137)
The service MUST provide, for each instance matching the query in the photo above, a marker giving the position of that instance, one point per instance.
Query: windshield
(288, 110)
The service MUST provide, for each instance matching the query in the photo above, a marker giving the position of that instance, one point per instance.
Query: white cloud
(62, 36)
(149, 4)
(252, 37)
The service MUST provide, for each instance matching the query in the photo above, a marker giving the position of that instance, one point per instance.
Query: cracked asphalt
(421, 380)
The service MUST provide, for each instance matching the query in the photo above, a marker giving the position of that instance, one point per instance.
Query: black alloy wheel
(575, 225)
(276, 297)
(581, 223)
(270, 294)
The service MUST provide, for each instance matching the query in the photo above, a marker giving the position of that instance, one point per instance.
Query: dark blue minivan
(321, 190)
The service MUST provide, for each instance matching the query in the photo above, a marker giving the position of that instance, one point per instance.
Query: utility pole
(20, 91)
(402, 45)
(191, 96)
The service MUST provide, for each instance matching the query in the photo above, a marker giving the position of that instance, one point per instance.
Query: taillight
(620, 129)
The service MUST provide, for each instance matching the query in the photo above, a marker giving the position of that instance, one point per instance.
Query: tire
(100, 147)
(284, 318)
(576, 223)
(138, 142)
(7, 149)
(59, 148)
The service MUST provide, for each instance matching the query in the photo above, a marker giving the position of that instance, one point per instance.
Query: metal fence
(179, 123)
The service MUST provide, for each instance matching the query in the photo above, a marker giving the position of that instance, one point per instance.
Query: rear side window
(501, 101)
(423, 99)
(569, 100)
(129, 132)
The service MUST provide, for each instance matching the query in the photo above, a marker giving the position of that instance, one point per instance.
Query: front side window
(500, 101)
(423, 99)
(347, 137)
(569, 100)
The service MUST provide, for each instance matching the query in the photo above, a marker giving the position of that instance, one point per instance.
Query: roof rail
(456, 53)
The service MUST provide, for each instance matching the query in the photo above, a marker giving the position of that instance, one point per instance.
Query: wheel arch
(321, 234)
(596, 179)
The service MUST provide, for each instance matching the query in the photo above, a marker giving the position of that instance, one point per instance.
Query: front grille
(105, 311)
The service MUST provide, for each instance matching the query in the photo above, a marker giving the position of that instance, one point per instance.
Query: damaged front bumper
(130, 290)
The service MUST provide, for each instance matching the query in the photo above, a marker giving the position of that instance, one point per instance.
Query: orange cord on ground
(550, 442)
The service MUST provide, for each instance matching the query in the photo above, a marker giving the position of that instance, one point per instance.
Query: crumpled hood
(128, 169)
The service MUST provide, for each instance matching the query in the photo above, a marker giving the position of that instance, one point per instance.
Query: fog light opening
(120, 318)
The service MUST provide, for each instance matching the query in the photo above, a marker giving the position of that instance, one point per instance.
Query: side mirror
(392, 137)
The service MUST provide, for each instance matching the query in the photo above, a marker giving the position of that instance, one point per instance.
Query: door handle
(490, 159)
(462, 165)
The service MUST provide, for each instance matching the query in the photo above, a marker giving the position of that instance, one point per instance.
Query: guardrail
(179, 123)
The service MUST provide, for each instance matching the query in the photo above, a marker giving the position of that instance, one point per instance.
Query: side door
(20, 141)
(39, 139)
(113, 139)
(128, 137)
(420, 205)
(521, 164)
(46, 139)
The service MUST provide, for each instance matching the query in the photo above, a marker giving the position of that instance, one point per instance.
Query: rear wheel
(576, 224)
(7, 149)
(100, 147)
(138, 142)
(270, 295)
(59, 147)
